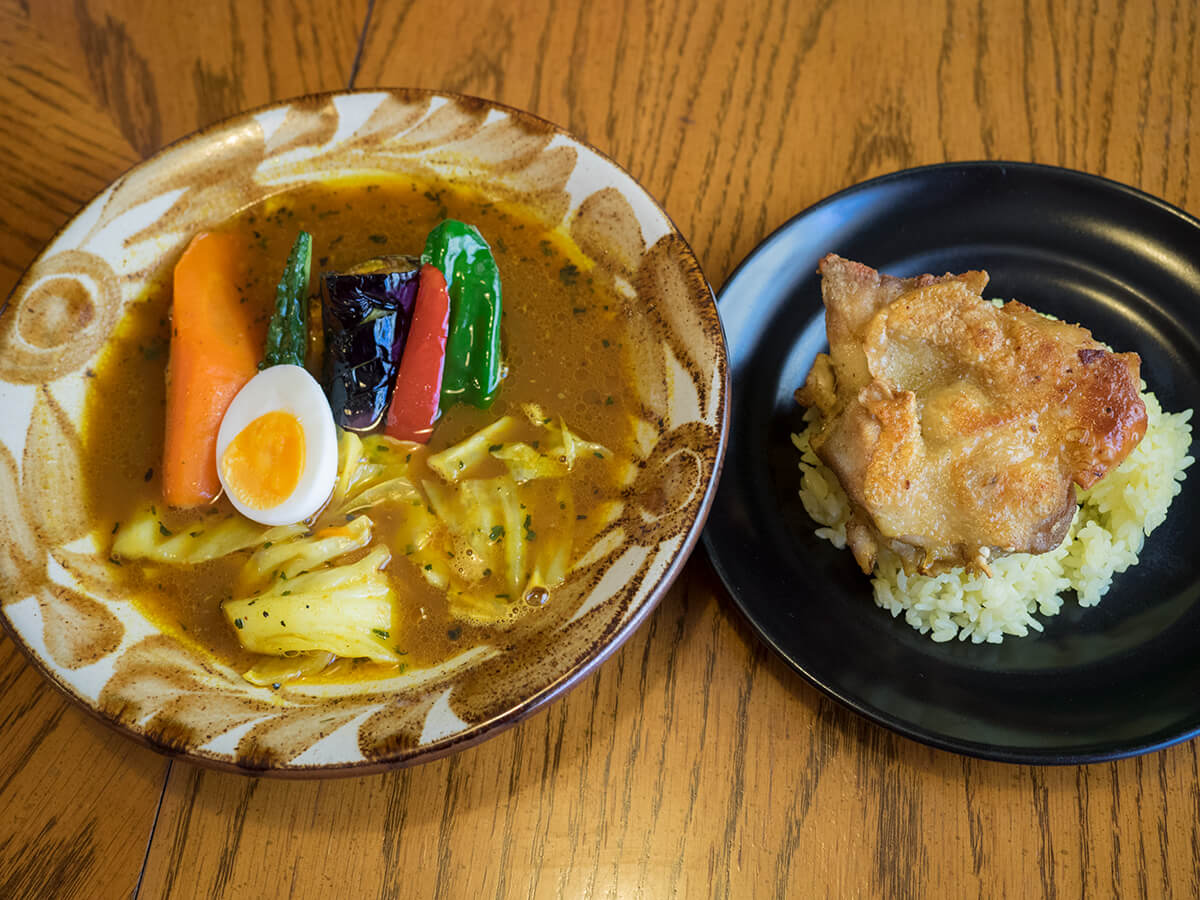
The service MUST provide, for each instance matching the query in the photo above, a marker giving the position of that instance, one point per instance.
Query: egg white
(290, 389)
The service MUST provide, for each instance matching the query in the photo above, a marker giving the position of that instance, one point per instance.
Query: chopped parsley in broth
(471, 524)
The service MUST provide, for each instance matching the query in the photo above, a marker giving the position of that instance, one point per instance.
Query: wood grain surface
(693, 763)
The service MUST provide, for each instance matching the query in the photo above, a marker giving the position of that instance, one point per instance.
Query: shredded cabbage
(470, 533)
(276, 670)
(345, 610)
(485, 549)
(455, 461)
(145, 537)
(370, 471)
(290, 558)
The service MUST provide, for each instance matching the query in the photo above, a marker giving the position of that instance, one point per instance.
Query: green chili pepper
(287, 334)
(472, 372)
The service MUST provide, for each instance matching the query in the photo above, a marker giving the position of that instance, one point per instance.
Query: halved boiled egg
(277, 447)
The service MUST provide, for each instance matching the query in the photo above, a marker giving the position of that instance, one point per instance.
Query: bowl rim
(577, 671)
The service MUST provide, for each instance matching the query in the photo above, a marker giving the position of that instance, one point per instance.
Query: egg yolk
(263, 463)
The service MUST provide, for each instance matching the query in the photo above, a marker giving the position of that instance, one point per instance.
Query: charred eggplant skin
(366, 312)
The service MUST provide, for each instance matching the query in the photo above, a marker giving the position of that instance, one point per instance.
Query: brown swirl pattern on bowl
(56, 598)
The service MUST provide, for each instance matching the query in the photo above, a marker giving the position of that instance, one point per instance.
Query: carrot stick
(213, 353)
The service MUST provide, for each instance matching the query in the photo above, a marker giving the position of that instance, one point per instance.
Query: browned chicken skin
(956, 428)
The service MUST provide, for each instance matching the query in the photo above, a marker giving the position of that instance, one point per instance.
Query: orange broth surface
(565, 337)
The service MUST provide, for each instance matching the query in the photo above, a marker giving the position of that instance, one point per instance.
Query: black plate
(1114, 680)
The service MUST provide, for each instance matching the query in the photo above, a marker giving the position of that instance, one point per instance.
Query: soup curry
(566, 352)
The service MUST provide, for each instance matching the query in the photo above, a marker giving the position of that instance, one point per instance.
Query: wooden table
(693, 763)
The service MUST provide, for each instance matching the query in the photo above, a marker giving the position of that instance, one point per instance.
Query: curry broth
(564, 335)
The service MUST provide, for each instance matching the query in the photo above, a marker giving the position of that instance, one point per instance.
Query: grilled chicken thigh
(958, 429)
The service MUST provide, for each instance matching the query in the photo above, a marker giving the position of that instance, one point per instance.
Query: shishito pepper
(287, 334)
(472, 370)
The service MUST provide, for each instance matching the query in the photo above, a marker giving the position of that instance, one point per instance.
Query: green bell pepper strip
(472, 371)
(287, 333)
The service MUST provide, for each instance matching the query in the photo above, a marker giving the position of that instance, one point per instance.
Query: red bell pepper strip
(418, 387)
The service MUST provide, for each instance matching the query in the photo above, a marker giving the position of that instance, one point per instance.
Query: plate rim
(881, 717)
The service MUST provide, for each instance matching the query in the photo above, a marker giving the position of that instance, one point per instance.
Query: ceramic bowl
(59, 599)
